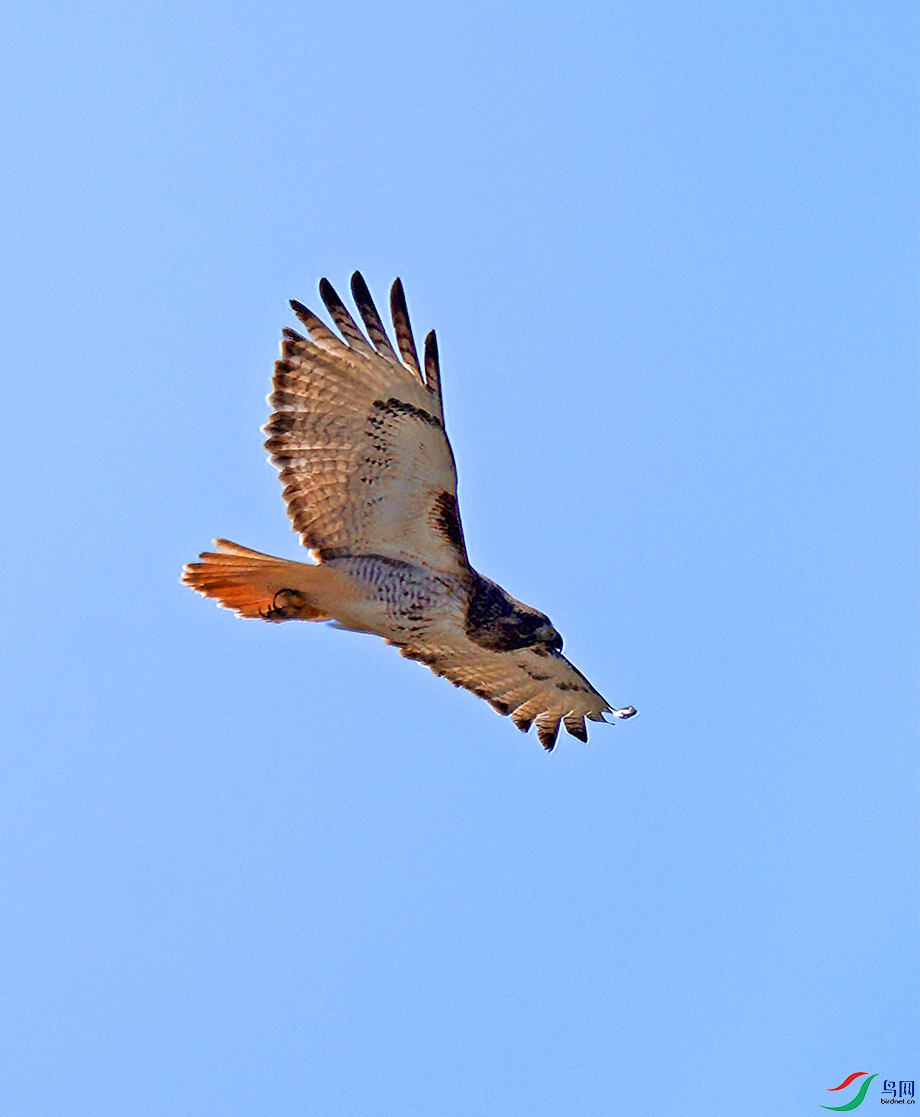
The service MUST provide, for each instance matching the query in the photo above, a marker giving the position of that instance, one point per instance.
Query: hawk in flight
(370, 484)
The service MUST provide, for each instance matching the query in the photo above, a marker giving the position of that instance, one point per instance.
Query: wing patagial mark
(447, 520)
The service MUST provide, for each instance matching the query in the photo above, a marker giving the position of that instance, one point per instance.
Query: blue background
(670, 252)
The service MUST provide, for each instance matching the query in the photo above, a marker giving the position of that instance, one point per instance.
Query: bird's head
(548, 635)
(500, 622)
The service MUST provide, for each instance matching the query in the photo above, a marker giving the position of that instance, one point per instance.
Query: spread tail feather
(259, 585)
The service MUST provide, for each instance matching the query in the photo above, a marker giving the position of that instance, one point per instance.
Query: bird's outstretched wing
(532, 685)
(358, 436)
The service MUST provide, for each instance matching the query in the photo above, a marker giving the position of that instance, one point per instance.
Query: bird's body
(371, 486)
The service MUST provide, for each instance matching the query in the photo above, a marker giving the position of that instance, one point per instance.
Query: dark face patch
(493, 620)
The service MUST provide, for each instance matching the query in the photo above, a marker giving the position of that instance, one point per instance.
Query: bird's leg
(286, 605)
(626, 712)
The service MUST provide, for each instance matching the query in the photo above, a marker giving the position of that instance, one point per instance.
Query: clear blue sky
(670, 252)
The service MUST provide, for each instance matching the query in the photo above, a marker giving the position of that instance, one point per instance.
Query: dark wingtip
(371, 317)
(399, 312)
(333, 302)
(548, 737)
(431, 350)
(305, 314)
(359, 288)
(433, 368)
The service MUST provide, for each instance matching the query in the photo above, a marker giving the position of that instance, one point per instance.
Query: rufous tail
(258, 585)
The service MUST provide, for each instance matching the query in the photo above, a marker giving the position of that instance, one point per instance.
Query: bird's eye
(546, 634)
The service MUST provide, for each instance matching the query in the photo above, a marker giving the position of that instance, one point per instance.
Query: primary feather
(370, 484)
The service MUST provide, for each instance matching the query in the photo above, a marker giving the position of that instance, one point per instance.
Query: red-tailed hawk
(371, 486)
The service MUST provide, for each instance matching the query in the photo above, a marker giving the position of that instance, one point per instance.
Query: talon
(285, 606)
(626, 712)
(279, 609)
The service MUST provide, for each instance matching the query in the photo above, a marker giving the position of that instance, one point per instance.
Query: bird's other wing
(358, 436)
(534, 686)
